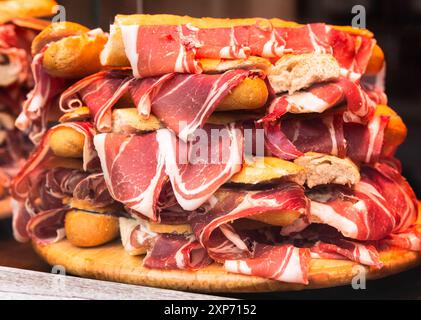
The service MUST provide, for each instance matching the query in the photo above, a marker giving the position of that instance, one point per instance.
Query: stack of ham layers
(325, 116)
(15, 82)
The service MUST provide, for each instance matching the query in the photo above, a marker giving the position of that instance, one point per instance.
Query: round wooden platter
(110, 262)
(5, 208)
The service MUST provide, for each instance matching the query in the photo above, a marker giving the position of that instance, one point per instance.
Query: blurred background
(396, 24)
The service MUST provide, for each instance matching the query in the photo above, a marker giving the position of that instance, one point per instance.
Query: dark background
(396, 24)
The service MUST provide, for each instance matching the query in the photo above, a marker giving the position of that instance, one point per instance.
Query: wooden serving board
(111, 262)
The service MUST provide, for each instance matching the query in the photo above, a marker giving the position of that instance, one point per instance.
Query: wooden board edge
(110, 262)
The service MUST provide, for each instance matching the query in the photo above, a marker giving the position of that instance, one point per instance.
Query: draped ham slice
(137, 181)
(182, 102)
(409, 239)
(371, 134)
(213, 228)
(283, 263)
(160, 49)
(143, 92)
(197, 169)
(133, 168)
(172, 251)
(326, 133)
(344, 249)
(35, 108)
(320, 97)
(47, 227)
(22, 182)
(323, 134)
(175, 44)
(99, 92)
(382, 203)
(278, 144)
(185, 102)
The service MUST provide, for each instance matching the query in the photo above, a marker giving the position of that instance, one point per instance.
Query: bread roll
(85, 229)
(376, 62)
(55, 32)
(251, 93)
(396, 131)
(321, 169)
(277, 218)
(74, 57)
(12, 9)
(261, 170)
(170, 228)
(66, 142)
(73, 50)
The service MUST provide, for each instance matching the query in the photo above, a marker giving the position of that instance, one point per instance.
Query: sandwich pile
(18, 28)
(256, 145)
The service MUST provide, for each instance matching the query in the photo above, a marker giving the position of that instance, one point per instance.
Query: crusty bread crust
(55, 32)
(251, 93)
(66, 142)
(72, 52)
(114, 54)
(11, 9)
(110, 262)
(395, 132)
(84, 229)
(74, 57)
(376, 62)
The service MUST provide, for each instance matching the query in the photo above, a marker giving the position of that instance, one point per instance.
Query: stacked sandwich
(255, 146)
(17, 30)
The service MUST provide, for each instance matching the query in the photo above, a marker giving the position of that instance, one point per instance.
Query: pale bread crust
(11, 9)
(110, 262)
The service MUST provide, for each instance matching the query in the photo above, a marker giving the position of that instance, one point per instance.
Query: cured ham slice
(409, 240)
(321, 97)
(283, 263)
(185, 102)
(20, 220)
(382, 203)
(371, 134)
(176, 43)
(21, 184)
(160, 49)
(133, 168)
(182, 102)
(196, 169)
(359, 252)
(322, 134)
(213, 229)
(93, 189)
(207, 163)
(144, 91)
(47, 227)
(328, 134)
(35, 108)
(278, 144)
(99, 92)
(352, 52)
(171, 251)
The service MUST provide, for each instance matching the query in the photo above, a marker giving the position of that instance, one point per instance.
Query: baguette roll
(114, 54)
(73, 50)
(67, 143)
(13, 9)
(86, 229)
